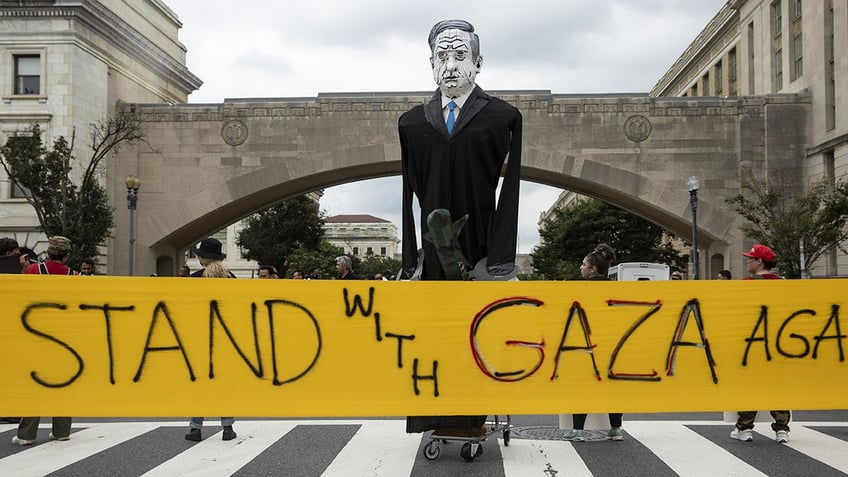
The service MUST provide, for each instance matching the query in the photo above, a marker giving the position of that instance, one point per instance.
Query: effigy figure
(453, 150)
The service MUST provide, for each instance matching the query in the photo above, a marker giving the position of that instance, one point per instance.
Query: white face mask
(453, 68)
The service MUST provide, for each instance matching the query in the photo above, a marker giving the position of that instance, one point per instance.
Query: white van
(636, 271)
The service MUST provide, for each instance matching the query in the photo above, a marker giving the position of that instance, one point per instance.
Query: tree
(782, 219)
(79, 211)
(322, 258)
(271, 235)
(376, 264)
(574, 231)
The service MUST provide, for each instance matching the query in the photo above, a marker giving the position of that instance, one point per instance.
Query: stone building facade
(66, 64)
(361, 235)
(762, 47)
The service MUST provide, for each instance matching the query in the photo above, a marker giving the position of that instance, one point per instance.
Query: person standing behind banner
(595, 267)
(210, 257)
(760, 263)
(58, 250)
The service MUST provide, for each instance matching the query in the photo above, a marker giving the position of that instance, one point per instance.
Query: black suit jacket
(460, 172)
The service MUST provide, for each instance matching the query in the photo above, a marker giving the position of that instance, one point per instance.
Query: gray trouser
(781, 420)
(197, 422)
(28, 428)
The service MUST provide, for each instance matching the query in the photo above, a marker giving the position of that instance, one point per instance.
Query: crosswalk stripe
(383, 448)
(687, 452)
(379, 448)
(822, 447)
(52, 456)
(212, 456)
(525, 457)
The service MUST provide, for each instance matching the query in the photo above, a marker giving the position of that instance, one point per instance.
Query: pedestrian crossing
(377, 448)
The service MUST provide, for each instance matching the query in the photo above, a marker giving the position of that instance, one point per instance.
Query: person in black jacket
(453, 150)
(595, 266)
(458, 167)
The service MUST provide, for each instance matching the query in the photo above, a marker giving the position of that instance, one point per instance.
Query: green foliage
(781, 218)
(271, 235)
(322, 258)
(376, 264)
(574, 231)
(80, 212)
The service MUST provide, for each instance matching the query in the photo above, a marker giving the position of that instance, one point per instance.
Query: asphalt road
(655, 445)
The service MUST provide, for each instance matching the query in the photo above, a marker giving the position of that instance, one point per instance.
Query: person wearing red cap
(760, 263)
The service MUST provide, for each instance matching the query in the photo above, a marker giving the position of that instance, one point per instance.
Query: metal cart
(471, 446)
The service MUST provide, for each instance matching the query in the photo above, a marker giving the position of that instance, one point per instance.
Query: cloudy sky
(277, 49)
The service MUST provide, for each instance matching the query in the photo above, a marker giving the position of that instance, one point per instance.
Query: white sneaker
(782, 436)
(21, 442)
(54, 438)
(744, 435)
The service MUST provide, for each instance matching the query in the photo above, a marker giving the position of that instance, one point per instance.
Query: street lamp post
(133, 183)
(693, 204)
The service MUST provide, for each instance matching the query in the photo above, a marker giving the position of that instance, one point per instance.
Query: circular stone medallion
(637, 128)
(234, 132)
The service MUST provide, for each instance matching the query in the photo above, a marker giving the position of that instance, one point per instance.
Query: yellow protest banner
(123, 346)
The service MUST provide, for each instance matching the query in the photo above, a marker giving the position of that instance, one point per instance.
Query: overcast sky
(278, 49)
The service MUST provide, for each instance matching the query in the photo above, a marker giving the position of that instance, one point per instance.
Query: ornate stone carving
(234, 132)
(637, 128)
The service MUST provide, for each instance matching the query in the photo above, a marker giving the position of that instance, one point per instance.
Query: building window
(719, 80)
(829, 67)
(776, 19)
(15, 191)
(356, 250)
(383, 251)
(777, 46)
(797, 47)
(27, 74)
(797, 57)
(369, 251)
(778, 70)
(731, 72)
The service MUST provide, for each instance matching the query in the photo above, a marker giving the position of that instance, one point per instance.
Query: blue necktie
(451, 118)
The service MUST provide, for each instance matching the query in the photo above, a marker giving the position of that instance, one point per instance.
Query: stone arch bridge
(209, 165)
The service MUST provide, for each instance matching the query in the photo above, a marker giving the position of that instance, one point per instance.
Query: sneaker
(21, 442)
(229, 433)
(193, 435)
(54, 438)
(782, 436)
(745, 435)
(574, 435)
(615, 434)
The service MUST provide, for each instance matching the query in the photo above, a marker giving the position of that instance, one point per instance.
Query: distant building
(361, 234)
(758, 47)
(65, 65)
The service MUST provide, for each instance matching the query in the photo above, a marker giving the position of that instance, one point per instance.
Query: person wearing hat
(210, 257)
(58, 250)
(208, 251)
(760, 263)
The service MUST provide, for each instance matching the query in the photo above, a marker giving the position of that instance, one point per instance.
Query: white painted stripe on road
(52, 456)
(213, 456)
(819, 446)
(686, 451)
(525, 457)
(379, 448)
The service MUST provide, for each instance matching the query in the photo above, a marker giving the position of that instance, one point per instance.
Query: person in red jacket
(760, 263)
(58, 250)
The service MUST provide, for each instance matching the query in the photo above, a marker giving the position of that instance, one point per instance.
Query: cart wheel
(466, 452)
(431, 450)
(506, 437)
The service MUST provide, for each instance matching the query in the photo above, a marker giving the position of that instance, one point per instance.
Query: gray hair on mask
(461, 25)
